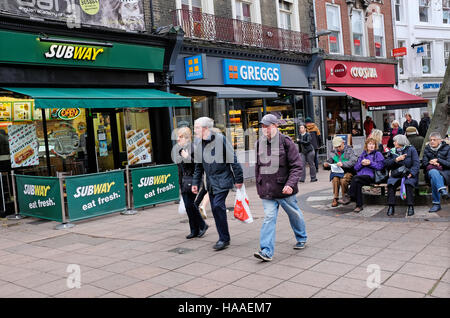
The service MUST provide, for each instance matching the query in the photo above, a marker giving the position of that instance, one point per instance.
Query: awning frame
(223, 92)
(312, 92)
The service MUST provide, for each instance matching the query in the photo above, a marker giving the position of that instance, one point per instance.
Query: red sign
(401, 51)
(357, 42)
(340, 70)
(378, 45)
(333, 39)
(359, 73)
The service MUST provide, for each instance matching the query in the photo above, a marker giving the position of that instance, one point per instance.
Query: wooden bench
(383, 187)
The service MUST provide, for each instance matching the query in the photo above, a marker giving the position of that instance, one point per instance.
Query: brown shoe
(335, 203)
(358, 209)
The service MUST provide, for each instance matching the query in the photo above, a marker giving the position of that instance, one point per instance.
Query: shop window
(426, 59)
(446, 53)
(358, 32)
(424, 10)
(334, 25)
(378, 34)
(138, 136)
(182, 117)
(446, 11)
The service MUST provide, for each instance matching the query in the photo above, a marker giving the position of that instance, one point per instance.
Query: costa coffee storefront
(370, 92)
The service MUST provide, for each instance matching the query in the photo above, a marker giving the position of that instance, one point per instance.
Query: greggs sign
(357, 73)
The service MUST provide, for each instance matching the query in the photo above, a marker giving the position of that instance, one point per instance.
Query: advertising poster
(95, 194)
(125, 15)
(139, 146)
(39, 197)
(153, 185)
(22, 110)
(5, 111)
(23, 145)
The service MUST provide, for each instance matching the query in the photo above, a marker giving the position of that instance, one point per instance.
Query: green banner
(153, 185)
(39, 197)
(95, 194)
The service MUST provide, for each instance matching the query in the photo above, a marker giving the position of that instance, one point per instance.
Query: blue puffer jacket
(411, 162)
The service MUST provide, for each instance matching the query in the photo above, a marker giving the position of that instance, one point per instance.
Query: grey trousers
(308, 159)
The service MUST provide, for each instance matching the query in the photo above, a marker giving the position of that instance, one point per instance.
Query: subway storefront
(77, 105)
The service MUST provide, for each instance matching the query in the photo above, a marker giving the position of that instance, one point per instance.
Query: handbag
(400, 172)
(431, 167)
(186, 184)
(381, 176)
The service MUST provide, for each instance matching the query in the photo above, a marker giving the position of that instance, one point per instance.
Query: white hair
(402, 140)
(204, 122)
(436, 135)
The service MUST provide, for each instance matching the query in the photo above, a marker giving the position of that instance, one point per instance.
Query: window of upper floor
(196, 6)
(401, 59)
(288, 17)
(378, 35)
(424, 11)
(446, 11)
(334, 25)
(398, 10)
(446, 53)
(246, 10)
(358, 30)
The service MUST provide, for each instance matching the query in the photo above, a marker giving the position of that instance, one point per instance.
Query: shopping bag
(403, 190)
(242, 206)
(181, 207)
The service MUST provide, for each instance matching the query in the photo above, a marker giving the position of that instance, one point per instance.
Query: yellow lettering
(88, 54)
(96, 52)
(109, 185)
(79, 52)
(97, 188)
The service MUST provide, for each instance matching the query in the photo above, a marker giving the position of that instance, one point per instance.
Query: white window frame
(398, 4)
(422, 3)
(429, 56)
(401, 43)
(295, 19)
(207, 5)
(255, 9)
(341, 42)
(446, 7)
(363, 34)
(446, 53)
(383, 44)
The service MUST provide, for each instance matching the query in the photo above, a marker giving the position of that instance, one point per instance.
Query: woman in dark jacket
(369, 161)
(306, 153)
(186, 167)
(394, 131)
(402, 157)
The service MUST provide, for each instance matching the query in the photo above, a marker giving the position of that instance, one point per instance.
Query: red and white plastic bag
(242, 207)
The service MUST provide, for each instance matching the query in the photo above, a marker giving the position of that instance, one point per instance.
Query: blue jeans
(437, 183)
(290, 206)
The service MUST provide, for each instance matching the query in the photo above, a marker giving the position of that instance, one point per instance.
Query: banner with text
(39, 197)
(153, 185)
(95, 194)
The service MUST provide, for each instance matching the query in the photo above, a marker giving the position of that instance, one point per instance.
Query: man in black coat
(410, 122)
(436, 163)
(215, 156)
(424, 124)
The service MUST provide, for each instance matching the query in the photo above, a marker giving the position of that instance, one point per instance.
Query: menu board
(139, 146)
(22, 110)
(23, 145)
(5, 111)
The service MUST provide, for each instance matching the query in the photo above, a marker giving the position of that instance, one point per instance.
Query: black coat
(222, 171)
(423, 126)
(443, 156)
(186, 168)
(412, 162)
(413, 123)
(305, 143)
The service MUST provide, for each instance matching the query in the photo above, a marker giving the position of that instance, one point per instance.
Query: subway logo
(71, 52)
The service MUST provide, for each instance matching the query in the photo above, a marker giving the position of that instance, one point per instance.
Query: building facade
(358, 43)
(422, 27)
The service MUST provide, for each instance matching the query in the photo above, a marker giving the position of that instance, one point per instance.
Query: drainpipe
(152, 16)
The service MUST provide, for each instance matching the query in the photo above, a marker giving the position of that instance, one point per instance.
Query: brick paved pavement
(147, 255)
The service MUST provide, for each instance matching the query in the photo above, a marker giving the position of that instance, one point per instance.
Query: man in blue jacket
(215, 156)
(277, 170)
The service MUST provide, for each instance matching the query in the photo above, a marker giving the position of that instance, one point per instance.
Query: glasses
(434, 139)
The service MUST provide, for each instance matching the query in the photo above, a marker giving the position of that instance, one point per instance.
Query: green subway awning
(100, 97)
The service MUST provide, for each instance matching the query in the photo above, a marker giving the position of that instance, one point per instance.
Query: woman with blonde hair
(394, 131)
(378, 136)
(186, 168)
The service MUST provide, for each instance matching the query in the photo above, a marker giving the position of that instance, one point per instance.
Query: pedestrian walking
(404, 163)
(307, 154)
(277, 170)
(436, 164)
(410, 122)
(215, 157)
(368, 162)
(343, 158)
(186, 168)
(316, 140)
(424, 124)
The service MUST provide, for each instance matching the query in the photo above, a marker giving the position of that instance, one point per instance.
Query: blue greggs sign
(239, 72)
(195, 67)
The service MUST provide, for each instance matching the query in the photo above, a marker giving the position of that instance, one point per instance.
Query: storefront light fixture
(69, 41)
(321, 33)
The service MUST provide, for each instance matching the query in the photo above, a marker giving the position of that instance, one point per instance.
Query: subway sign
(239, 72)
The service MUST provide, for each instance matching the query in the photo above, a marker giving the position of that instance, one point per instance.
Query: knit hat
(337, 141)
(308, 120)
(411, 130)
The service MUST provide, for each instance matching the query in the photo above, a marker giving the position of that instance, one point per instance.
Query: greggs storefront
(81, 105)
(370, 92)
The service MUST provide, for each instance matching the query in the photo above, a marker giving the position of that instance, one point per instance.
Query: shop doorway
(105, 140)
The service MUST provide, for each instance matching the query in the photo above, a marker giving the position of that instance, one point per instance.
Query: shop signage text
(429, 86)
(68, 113)
(239, 72)
(340, 70)
(364, 72)
(69, 52)
(401, 51)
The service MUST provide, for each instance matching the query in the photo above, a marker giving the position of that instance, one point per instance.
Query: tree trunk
(440, 120)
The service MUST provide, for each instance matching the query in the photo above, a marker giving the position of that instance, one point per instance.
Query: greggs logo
(70, 52)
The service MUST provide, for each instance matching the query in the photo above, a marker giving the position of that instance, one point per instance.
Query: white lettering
(257, 73)
(276, 75)
(364, 72)
(244, 72)
(263, 74)
(51, 52)
(250, 73)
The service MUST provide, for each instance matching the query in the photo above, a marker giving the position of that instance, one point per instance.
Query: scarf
(437, 148)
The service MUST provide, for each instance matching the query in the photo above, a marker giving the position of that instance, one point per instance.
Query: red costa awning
(383, 96)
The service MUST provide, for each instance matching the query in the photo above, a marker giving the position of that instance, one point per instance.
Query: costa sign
(359, 73)
(364, 72)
